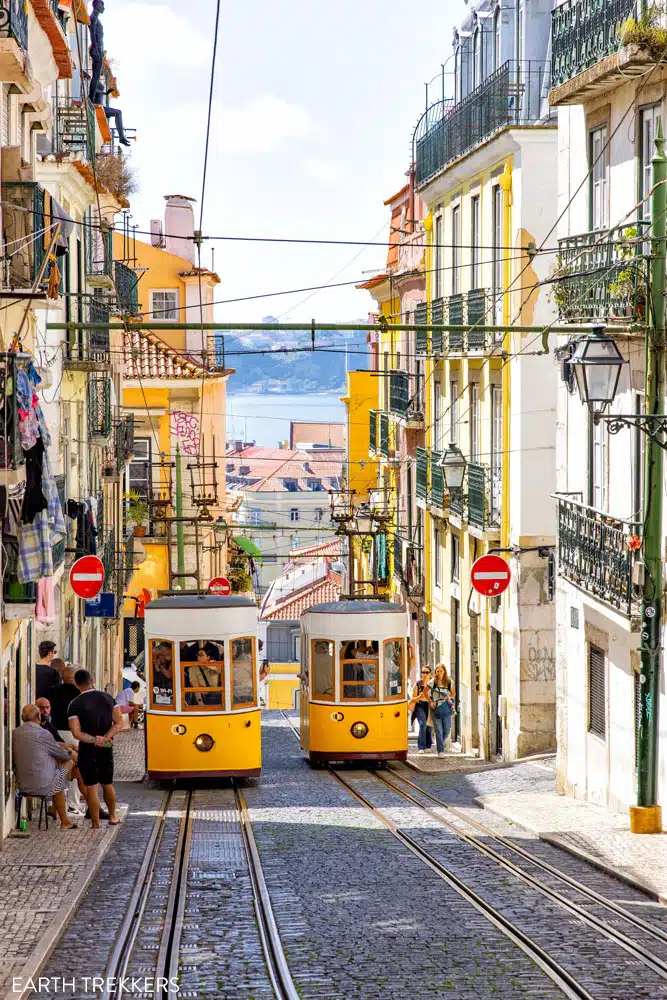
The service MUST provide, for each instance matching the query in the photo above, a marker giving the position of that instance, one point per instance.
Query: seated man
(42, 766)
(47, 722)
(126, 703)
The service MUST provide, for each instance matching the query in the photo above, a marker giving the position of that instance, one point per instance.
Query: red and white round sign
(86, 577)
(220, 586)
(490, 575)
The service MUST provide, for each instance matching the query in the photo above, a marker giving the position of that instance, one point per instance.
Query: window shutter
(597, 714)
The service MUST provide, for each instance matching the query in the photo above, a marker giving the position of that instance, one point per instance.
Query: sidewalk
(590, 832)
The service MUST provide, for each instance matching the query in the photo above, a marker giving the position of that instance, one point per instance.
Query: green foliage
(136, 507)
(647, 32)
(240, 579)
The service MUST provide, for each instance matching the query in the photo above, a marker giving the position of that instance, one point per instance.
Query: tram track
(564, 979)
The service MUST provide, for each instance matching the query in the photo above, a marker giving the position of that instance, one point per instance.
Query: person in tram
(163, 674)
(205, 674)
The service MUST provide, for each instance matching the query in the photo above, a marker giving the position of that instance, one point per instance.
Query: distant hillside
(287, 369)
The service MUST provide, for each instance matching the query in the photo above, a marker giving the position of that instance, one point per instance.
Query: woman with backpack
(442, 706)
(420, 704)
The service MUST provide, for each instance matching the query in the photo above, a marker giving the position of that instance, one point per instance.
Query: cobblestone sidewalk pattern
(129, 761)
(589, 832)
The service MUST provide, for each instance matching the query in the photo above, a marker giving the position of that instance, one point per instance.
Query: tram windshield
(202, 673)
(243, 672)
(161, 683)
(323, 668)
(394, 668)
(359, 665)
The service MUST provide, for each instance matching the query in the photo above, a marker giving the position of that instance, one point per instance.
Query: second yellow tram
(202, 717)
(353, 681)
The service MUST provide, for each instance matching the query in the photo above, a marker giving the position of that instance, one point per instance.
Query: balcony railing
(398, 557)
(483, 496)
(473, 311)
(73, 127)
(477, 308)
(14, 21)
(99, 407)
(602, 275)
(99, 253)
(512, 95)
(422, 474)
(59, 14)
(127, 282)
(406, 397)
(373, 432)
(89, 349)
(108, 558)
(383, 434)
(421, 319)
(593, 554)
(437, 495)
(23, 233)
(124, 440)
(583, 32)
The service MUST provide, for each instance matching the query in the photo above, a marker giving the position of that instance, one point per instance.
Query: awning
(247, 545)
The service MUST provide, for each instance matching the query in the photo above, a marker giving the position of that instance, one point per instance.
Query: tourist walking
(420, 704)
(442, 706)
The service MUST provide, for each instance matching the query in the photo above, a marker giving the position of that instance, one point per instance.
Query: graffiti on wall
(185, 426)
(541, 665)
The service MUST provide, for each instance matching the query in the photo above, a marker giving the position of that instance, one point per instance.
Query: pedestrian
(420, 705)
(61, 698)
(42, 766)
(94, 720)
(46, 675)
(126, 703)
(442, 706)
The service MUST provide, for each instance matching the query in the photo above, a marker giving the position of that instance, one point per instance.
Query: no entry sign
(490, 576)
(86, 577)
(220, 586)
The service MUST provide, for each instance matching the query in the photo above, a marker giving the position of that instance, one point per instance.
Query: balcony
(18, 598)
(383, 448)
(73, 128)
(422, 475)
(421, 319)
(89, 350)
(12, 459)
(587, 49)
(373, 431)
(124, 440)
(13, 41)
(593, 554)
(405, 399)
(471, 311)
(99, 253)
(512, 95)
(408, 567)
(602, 276)
(23, 228)
(127, 282)
(99, 408)
(484, 497)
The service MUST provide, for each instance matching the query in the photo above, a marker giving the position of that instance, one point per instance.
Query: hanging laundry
(36, 540)
(45, 610)
(34, 500)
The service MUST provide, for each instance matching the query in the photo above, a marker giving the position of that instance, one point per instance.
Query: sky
(314, 109)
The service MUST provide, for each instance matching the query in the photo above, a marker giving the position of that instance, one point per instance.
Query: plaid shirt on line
(36, 540)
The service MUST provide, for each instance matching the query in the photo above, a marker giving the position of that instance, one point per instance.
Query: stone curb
(58, 923)
(477, 765)
(556, 840)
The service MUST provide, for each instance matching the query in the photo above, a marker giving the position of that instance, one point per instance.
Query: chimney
(157, 237)
(238, 447)
(179, 226)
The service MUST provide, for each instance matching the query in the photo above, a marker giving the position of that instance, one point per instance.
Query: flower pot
(139, 530)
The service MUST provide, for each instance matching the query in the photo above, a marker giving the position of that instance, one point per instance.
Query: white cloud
(140, 37)
(323, 170)
(259, 125)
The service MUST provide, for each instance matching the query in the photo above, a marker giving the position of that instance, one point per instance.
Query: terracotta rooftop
(145, 356)
(331, 548)
(320, 592)
(266, 469)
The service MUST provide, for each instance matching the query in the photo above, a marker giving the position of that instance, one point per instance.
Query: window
(454, 412)
(497, 272)
(323, 668)
(319, 515)
(394, 668)
(164, 305)
(648, 127)
(456, 557)
(291, 485)
(474, 422)
(438, 258)
(598, 465)
(139, 469)
(255, 515)
(475, 240)
(359, 664)
(314, 484)
(296, 646)
(202, 674)
(161, 680)
(456, 250)
(437, 558)
(597, 702)
(599, 153)
(243, 672)
(294, 514)
(496, 449)
(336, 482)
(477, 57)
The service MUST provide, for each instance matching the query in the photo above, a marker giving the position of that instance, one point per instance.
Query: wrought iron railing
(477, 308)
(437, 316)
(98, 240)
(594, 554)
(398, 557)
(127, 283)
(421, 319)
(124, 440)
(405, 396)
(512, 95)
(483, 496)
(453, 341)
(602, 275)
(58, 552)
(14, 21)
(99, 407)
(108, 557)
(373, 431)
(437, 496)
(24, 233)
(73, 127)
(60, 15)
(383, 434)
(89, 348)
(422, 473)
(471, 312)
(128, 559)
(583, 32)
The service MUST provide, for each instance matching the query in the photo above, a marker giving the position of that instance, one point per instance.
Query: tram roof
(355, 607)
(201, 602)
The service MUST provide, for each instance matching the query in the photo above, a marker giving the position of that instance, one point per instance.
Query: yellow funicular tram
(203, 717)
(353, 681)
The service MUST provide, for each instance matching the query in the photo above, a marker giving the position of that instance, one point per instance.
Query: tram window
(203, 666)
(394, 669)
(162, 674)
(243, 672)
(359, 670)
(323, 668)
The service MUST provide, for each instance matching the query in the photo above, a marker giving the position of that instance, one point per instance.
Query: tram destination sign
(86, 577)
(490, 575)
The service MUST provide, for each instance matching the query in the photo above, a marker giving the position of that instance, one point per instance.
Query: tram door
(456, 668)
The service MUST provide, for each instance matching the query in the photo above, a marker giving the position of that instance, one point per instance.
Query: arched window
(496, 39)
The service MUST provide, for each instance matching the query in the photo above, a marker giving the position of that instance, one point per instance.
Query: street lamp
(364, 519)
(597, 364)
(453, 465)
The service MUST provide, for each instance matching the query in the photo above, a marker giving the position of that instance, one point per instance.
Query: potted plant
(137, 512)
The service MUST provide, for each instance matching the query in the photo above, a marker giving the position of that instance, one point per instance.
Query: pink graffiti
(186, 427)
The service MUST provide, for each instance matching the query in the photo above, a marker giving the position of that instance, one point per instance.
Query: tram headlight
(204, 742)
(359, 730)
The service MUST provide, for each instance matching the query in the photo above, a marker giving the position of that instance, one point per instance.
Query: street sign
(490, 575)
(220, 586)
(86, 577)
(102, 606)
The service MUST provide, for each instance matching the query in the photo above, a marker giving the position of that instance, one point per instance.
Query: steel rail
(166, 966)
(122, 950)
(276, 963)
